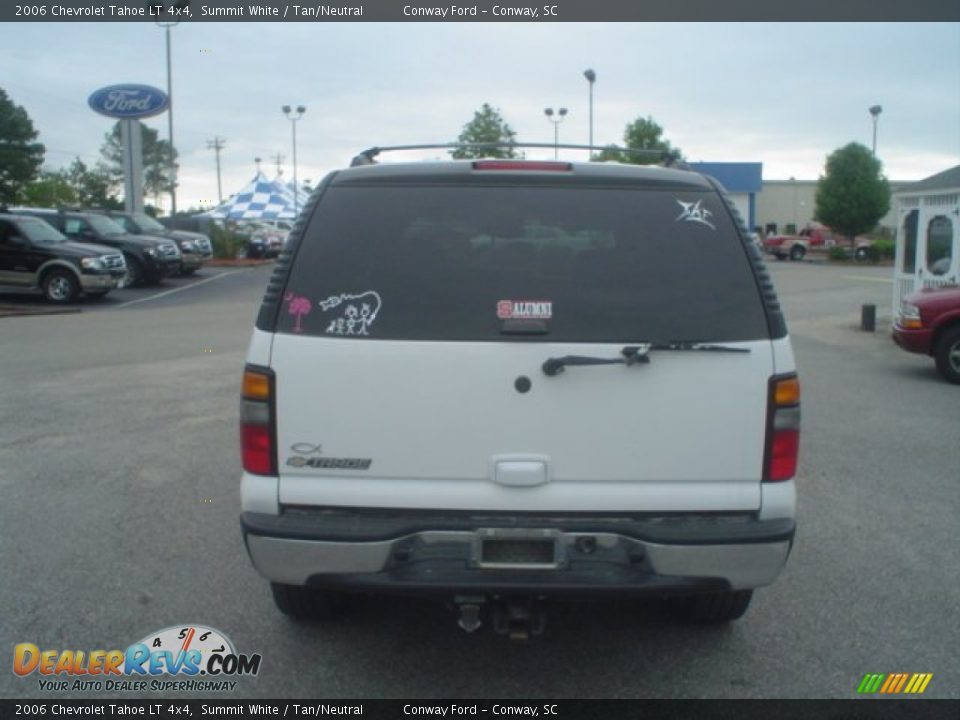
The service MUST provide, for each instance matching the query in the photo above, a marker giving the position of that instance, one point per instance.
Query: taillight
(257, 428)
(783, 429)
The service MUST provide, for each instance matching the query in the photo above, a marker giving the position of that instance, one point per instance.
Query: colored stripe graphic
(870, 683)
(894, 683)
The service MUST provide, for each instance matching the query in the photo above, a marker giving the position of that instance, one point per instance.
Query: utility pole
(278, 161)
(217, 144)
(258, 161)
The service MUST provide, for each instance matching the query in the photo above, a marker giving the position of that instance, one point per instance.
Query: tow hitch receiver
(516, 617)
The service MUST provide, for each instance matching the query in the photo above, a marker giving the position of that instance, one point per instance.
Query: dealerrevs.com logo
(197, 658)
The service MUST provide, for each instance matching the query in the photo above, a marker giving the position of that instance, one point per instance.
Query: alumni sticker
(525, 309)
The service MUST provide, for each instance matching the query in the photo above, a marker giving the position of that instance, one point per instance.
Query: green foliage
(51, 189)
(853, 194)
(226, 243)
(641, 134)
(158, 155)
(92, 186)
(76, 185)
(20, 155)
(838, 252)
(883, 249)
(487, 126)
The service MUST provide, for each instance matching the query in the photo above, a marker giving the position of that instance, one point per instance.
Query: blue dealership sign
(129, 101)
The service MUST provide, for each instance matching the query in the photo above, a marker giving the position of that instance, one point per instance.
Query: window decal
(299, 306)
(693, 212)
(355, 315)
(525, 309)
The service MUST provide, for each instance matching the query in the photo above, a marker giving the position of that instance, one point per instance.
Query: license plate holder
(516, 549)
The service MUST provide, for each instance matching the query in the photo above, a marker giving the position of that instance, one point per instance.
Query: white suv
(497, 380)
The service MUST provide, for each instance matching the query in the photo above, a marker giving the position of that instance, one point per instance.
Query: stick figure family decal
(355, 313)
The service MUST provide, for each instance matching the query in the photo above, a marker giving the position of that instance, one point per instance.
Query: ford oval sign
(128, 101)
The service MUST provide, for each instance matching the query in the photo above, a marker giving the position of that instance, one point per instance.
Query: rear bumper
(444, 554)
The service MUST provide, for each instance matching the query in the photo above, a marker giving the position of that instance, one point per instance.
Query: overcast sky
(782, 94)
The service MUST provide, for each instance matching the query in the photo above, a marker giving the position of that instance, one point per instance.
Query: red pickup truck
(810, 240)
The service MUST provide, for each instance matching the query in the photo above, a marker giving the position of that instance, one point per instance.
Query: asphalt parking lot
(119, 468)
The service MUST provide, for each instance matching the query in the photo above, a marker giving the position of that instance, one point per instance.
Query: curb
(240, 262)
(20, 310)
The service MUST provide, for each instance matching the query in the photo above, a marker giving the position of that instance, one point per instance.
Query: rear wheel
(947, 355)
(306, 603)
(797, 252)
(716, 607)
(60, 286)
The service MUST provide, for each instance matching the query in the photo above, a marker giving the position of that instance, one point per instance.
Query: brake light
(257, 427)
(541, 165)
(783, 429)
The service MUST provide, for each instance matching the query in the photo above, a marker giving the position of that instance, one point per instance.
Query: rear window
(479, 263)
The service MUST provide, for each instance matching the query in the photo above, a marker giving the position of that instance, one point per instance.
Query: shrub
(838, 253)
(883, 249)
(226, 244)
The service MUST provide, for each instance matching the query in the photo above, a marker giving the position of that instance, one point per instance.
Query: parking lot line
(178, 289)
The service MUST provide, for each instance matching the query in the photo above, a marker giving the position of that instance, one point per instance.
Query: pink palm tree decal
(298, 306)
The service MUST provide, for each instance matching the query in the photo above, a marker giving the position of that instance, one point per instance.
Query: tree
(487, 126)
(853, 194)
(51, 189)
(20, 155)
(641, 134)
(158, 156)
(93, 187)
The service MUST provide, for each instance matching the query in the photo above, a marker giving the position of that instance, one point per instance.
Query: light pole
(173, 164)
(556, 119)
(293, 121)
(591, 77)
(875, 111)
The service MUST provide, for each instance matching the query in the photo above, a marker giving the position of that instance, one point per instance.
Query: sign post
(129, 103)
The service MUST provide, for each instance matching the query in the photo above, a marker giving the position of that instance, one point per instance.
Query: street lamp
(556, 119)
(173, 167)
(875, 111)
(591, 77)
(293, 122)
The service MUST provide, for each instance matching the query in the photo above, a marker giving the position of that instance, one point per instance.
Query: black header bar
(161, 709)
(477, 10)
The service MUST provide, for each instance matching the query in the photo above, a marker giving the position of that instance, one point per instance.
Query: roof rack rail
(669, 159)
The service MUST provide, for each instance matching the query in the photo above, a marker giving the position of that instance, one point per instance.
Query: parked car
(265, 240)
(195, 248)
(148, 259)
(497, 380)
(928, 323)
(34, 255)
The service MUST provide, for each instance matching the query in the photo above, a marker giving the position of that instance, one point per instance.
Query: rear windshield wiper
(633, 355)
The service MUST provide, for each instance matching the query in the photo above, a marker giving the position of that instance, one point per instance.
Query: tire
(797, 252)
(947, 355)
(60, 286)
(134, 276)
(711, 608)
(304, 603)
